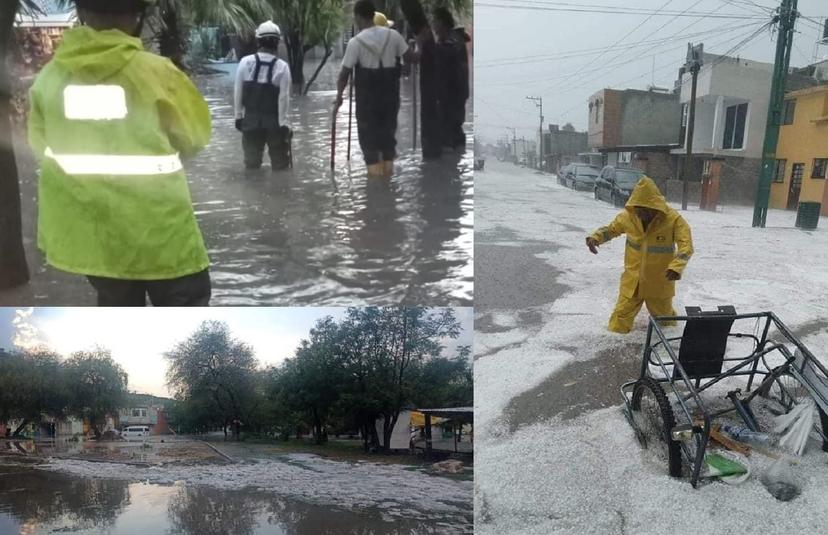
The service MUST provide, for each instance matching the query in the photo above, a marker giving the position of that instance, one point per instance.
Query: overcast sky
(138, 337)
(506, 35)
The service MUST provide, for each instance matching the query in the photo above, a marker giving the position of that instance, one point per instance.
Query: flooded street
(309, 236)
(34, 501)
(180, 485)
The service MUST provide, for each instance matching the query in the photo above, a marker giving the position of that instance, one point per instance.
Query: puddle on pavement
(577, 388)
(310, 236)
(34, 501)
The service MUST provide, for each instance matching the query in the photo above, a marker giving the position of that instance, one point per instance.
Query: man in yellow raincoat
(659, 245)
(110, 124)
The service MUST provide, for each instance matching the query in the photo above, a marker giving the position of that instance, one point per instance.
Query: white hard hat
(268, 29)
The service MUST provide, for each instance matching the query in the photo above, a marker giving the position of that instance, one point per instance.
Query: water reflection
(35, 501)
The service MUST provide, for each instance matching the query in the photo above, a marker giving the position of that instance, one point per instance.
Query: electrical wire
(546, 6)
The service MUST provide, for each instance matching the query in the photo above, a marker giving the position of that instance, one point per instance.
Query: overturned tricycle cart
(665, 405)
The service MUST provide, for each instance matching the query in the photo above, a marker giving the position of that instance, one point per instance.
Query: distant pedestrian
(374, 58)
(109, 123)
(262, 102)
(659, 246)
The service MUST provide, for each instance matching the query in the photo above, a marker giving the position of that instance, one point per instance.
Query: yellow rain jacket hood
(666, 244)
(110, 124)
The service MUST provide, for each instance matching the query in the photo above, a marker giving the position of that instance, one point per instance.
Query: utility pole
(514, 141)
(784, 42)
(539, 103)
(694, 63)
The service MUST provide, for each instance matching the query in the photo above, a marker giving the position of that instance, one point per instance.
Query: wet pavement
(33, 501)
(309, 236)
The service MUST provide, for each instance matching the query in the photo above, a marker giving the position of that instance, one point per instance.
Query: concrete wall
(737, 185)
(649, 118)
(604, 119)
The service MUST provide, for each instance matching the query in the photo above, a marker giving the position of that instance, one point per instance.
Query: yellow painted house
(802, 152)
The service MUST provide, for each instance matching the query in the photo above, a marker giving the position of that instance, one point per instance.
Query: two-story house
(802, 151)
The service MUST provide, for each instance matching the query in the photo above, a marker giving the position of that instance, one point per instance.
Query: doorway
(795, 187)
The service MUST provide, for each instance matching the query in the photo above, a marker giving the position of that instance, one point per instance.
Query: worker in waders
(453, 78)
(110, 124)
(444, 84)
(262, 101)
(374, 58)
(659, 246)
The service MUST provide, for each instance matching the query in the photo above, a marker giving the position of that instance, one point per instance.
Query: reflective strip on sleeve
(633, 245)
(661, 249)
(94, 102)
(97, 164)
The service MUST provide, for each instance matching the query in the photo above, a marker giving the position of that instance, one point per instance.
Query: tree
(213, 367)
(32, 387)
(97, 386)
(14, 270)
(306, 24)
(312, 380)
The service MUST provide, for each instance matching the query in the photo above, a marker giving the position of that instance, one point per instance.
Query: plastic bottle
(743, 434)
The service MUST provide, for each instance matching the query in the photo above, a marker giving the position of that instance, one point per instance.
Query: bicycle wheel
(653, 416)
(786, 392)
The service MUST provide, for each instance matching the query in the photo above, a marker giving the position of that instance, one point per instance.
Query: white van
(135, 431)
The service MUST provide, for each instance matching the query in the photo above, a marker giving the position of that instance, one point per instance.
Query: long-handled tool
(333, 139)
(350, 114)
(350, 104)
(414, 98)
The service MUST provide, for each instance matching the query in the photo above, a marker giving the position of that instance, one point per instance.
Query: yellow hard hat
(381, 20)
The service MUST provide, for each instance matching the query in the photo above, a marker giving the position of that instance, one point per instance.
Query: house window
(624, 157)
(796, 175)
(779, 174)
(139, 413)
(597, 110)
(735, 119)
(685, 114)
(820, 165)
(788, 112)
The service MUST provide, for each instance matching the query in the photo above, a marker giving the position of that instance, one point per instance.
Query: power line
(602, 68)
(519, 60)
(618, 11)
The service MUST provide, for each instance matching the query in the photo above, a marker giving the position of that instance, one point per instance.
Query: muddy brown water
(34, 501)
(308, 236)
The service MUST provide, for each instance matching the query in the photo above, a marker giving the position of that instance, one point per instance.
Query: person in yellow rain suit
(659, 245)
(110, 124)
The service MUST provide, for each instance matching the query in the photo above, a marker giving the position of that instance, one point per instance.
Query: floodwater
(34, 501)
(309, 236)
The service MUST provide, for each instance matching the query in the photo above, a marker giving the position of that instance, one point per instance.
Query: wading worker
(262, 101)
(659, 245)
(110, 124)
(374, 57)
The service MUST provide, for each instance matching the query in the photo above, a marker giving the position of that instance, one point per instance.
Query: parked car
(581, 177)
(135, 431)
(616, 184)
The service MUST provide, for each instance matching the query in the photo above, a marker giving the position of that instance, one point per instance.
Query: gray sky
(503, 36)
(138, 337)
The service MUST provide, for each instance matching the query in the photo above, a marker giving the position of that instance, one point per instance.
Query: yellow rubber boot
(376, 170)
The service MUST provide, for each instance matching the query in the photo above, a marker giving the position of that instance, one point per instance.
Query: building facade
(802, 151)
(635, 128)
(561, 146)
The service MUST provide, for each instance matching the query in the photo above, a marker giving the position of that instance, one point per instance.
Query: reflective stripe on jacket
(667, 243)
(110, 123)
